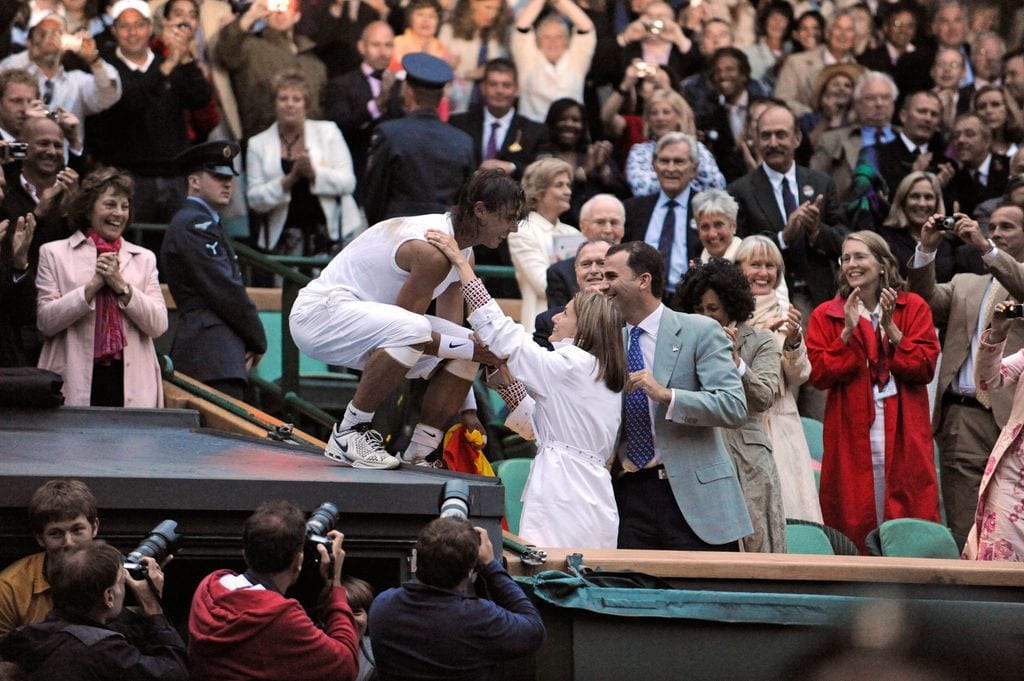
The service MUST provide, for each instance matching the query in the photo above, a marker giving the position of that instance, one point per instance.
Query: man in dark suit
(502, 139)
(219, 336)
(601, 217)
(796, 207)
(588, 275)
(417, 163)
(949, 28)
(678, 488)
(361, 98)
(899, 25)
(981, 174)
(919, 145)
(663, 220)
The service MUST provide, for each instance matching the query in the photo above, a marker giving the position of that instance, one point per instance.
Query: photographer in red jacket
(243, 627)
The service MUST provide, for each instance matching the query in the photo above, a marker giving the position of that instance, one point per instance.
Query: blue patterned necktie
(639, 438)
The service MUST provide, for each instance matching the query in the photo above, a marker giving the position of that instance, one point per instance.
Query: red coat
(847, 484)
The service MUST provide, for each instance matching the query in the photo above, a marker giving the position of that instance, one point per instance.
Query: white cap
(39, 15)
(121, 5)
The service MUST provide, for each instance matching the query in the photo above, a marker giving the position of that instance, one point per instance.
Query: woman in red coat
(874, 348)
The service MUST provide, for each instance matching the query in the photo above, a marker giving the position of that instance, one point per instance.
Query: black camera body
(946, 223)
(162, 541)
(19, 150)
(321, 521)
(1013, 310)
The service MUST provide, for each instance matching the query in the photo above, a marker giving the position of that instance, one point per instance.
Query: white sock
(353, 417)
(425, 439)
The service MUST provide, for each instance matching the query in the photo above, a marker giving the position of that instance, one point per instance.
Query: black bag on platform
(30, 387)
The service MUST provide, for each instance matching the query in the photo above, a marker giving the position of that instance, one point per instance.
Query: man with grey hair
(840, 151)
(601, 217)
(949, 26)
(664, 220)
(588, 275)
(987, 50)
(981, 174)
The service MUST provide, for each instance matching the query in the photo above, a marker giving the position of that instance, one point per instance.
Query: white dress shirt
(504, 123)
(775, 178)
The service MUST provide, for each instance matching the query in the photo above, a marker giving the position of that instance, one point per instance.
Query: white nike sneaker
(362, 446)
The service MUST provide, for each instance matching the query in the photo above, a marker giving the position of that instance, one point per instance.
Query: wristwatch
(125, 291)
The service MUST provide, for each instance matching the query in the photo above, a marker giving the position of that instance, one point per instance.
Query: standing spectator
(145, 130)
(981, 174)
(949, 28)
(873, 347)
(430, 628)
(554, 63)
(657, 40)
(424, 18)
(61, 515)
(360, 99)
(671, 429)
(809, 30)
(18, 89)
(17, 287)
(417, 163)
(762, 264)
(100, 304)
(967, 419)
(832, 100)
(77, 642)
(664, 220)
(715, 212)
(987, 50)
(588, 274)
(219, 337)
(800, 70)
(547, 184)
(300, 177)
(774, 24)
(1000, 111)
(241, 626)
(476, 33)
(502, 138)
(798, 208)
(947, 71)
(336, 26)
(919, 146)
(719, 290)
(899, 28)
(254, 58)
(81, 93)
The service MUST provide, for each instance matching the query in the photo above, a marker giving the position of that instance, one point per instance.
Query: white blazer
(334, 184)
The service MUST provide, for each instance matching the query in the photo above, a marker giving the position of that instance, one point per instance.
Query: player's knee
(463, 368)
(406, 355)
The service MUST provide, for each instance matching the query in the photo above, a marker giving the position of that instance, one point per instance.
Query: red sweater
(254, 633)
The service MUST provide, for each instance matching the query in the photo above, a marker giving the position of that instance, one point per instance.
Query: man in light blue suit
(678, 488)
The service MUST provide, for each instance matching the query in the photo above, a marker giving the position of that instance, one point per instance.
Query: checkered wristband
(513, 393)
(476, 294)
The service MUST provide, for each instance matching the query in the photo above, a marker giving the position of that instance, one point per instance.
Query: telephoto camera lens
(162, 541)
(455, 500)
(321, 521)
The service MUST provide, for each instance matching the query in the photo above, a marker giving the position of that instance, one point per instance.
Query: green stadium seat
(912, 538)
(808, 539)
(513, 474)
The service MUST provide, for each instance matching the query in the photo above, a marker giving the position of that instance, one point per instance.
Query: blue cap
(215, 157)
(424, 70)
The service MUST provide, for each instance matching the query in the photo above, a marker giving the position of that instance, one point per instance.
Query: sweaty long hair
(599, 332)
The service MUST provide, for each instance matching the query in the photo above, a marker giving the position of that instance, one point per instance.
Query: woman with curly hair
(718, 289)
(874, 348)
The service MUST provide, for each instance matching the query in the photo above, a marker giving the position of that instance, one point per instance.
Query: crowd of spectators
(792, 165)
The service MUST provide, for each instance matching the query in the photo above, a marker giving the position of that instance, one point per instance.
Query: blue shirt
(679, 260)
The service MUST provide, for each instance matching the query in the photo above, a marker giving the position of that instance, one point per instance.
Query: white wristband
(454, 347)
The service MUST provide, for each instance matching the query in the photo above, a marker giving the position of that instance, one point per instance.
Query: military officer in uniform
(219, 336)
(417, 163)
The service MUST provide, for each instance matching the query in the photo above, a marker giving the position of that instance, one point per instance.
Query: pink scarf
(108, 342)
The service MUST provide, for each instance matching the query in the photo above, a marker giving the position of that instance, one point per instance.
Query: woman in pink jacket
(99, 304)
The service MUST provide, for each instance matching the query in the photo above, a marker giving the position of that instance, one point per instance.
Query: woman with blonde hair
(547, 184)
(667, 111)
(761, 262)
(576, 389)
(874, 348)
(1000, 111)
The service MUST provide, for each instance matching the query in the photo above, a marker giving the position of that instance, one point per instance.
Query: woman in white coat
(300, 177)
(568, 499)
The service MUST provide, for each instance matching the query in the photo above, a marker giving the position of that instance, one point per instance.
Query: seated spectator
(18, 89)
(1013, 75)
(100, 305)
(77, 640)
(831, 101)
(476, 33)
(361, 98)
(899, 27)
(502, 138)
(547, 184)
(253, 59)
(808, 31)
(1000, 111)
(916, 199)
(800, 71)
(602, 217)
(981, 174)
(774, 25)
(666, 111)
(656, 39)
(81, 93)
(554, 64)
(873, 347)
(593, 169)
(715, 212)
(429, 628)
(241, 626)
(62, 515)
(987, 50)
(947, 72)
(424, 18)
(145, 130)
(761, 262)
(299, 177)
(588, 275)
(359, 595)
(718, 289)
(919, 146)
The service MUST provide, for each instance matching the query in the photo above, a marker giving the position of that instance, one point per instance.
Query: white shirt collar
(651, 323)
(775, 177)
(505, 120)
(909, 143)
(983, 168)
(141, 68)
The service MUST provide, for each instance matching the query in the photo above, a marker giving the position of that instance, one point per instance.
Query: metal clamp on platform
(527, 554)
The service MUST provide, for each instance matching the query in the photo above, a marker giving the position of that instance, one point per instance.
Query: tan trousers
(965, 438)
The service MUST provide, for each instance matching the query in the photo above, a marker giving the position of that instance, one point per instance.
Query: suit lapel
(765, 197)
(666, 347)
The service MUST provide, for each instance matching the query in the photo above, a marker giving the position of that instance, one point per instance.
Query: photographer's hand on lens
(330, 569)
(931, 233)
(149, 590)
(486, 554)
